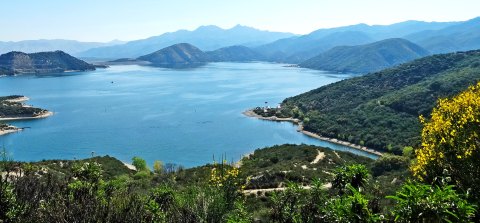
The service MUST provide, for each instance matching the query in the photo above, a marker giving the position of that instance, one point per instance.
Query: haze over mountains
(205, 38)
(287, 50)
(356, 48)
(68, 46)
(459, 37)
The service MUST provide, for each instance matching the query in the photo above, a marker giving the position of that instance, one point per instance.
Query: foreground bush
(418, 202)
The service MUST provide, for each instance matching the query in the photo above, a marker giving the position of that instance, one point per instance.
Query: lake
(176, 116)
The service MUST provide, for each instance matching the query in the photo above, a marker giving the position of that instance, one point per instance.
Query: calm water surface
(178, 116)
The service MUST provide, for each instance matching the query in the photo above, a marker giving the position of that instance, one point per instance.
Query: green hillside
(380, 110)
(366, 58)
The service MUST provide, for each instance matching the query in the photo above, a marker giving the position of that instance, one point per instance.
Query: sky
(106, 20)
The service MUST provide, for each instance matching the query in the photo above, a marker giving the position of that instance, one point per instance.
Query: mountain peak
(179, 55)
(208, 28)
(239, 26)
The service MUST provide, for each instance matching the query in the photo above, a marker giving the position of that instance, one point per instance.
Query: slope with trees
(380, 110)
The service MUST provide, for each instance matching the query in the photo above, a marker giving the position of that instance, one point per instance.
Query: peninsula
(13, 108)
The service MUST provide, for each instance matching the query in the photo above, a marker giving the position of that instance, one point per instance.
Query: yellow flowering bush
(222, 174)
(225, 179)
(450, 140)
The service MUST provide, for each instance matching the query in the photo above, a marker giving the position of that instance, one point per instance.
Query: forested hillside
(381, 110)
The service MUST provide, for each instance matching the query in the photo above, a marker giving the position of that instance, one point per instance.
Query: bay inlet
(177, 116)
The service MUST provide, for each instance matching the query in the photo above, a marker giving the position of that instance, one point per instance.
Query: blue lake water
(177, 116)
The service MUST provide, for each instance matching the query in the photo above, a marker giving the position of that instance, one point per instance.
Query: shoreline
(250, 113)
(10, 129)
(18, 100)
(43, 115)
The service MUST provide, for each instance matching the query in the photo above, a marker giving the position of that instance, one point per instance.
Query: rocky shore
(251, 113)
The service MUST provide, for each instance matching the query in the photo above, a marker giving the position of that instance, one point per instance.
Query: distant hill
(68, 46)
(298, 49)
(380, 110)
(185, 55)
(178, 55)
(43, 62)
(206, 38)
(366, 58)
(459, 37)
(234, 53)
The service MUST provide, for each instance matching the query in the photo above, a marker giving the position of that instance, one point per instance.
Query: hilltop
(366, 58)
(182, 54)
(42, 62)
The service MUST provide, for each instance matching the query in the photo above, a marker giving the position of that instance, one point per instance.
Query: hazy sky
(104, 20)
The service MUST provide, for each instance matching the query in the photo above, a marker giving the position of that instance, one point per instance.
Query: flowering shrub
(451, 141)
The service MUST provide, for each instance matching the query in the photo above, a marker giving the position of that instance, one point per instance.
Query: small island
(14, 108)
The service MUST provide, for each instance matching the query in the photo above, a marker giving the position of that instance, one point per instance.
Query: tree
(355, 175)
(139, 163)
(158, 167)
(451, 141)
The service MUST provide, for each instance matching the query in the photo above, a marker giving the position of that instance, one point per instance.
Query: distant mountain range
(366, 58)
(206, 38)
(298, 49)
(44, 62)
(458, 37)
(356, 48)
(68, 46)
